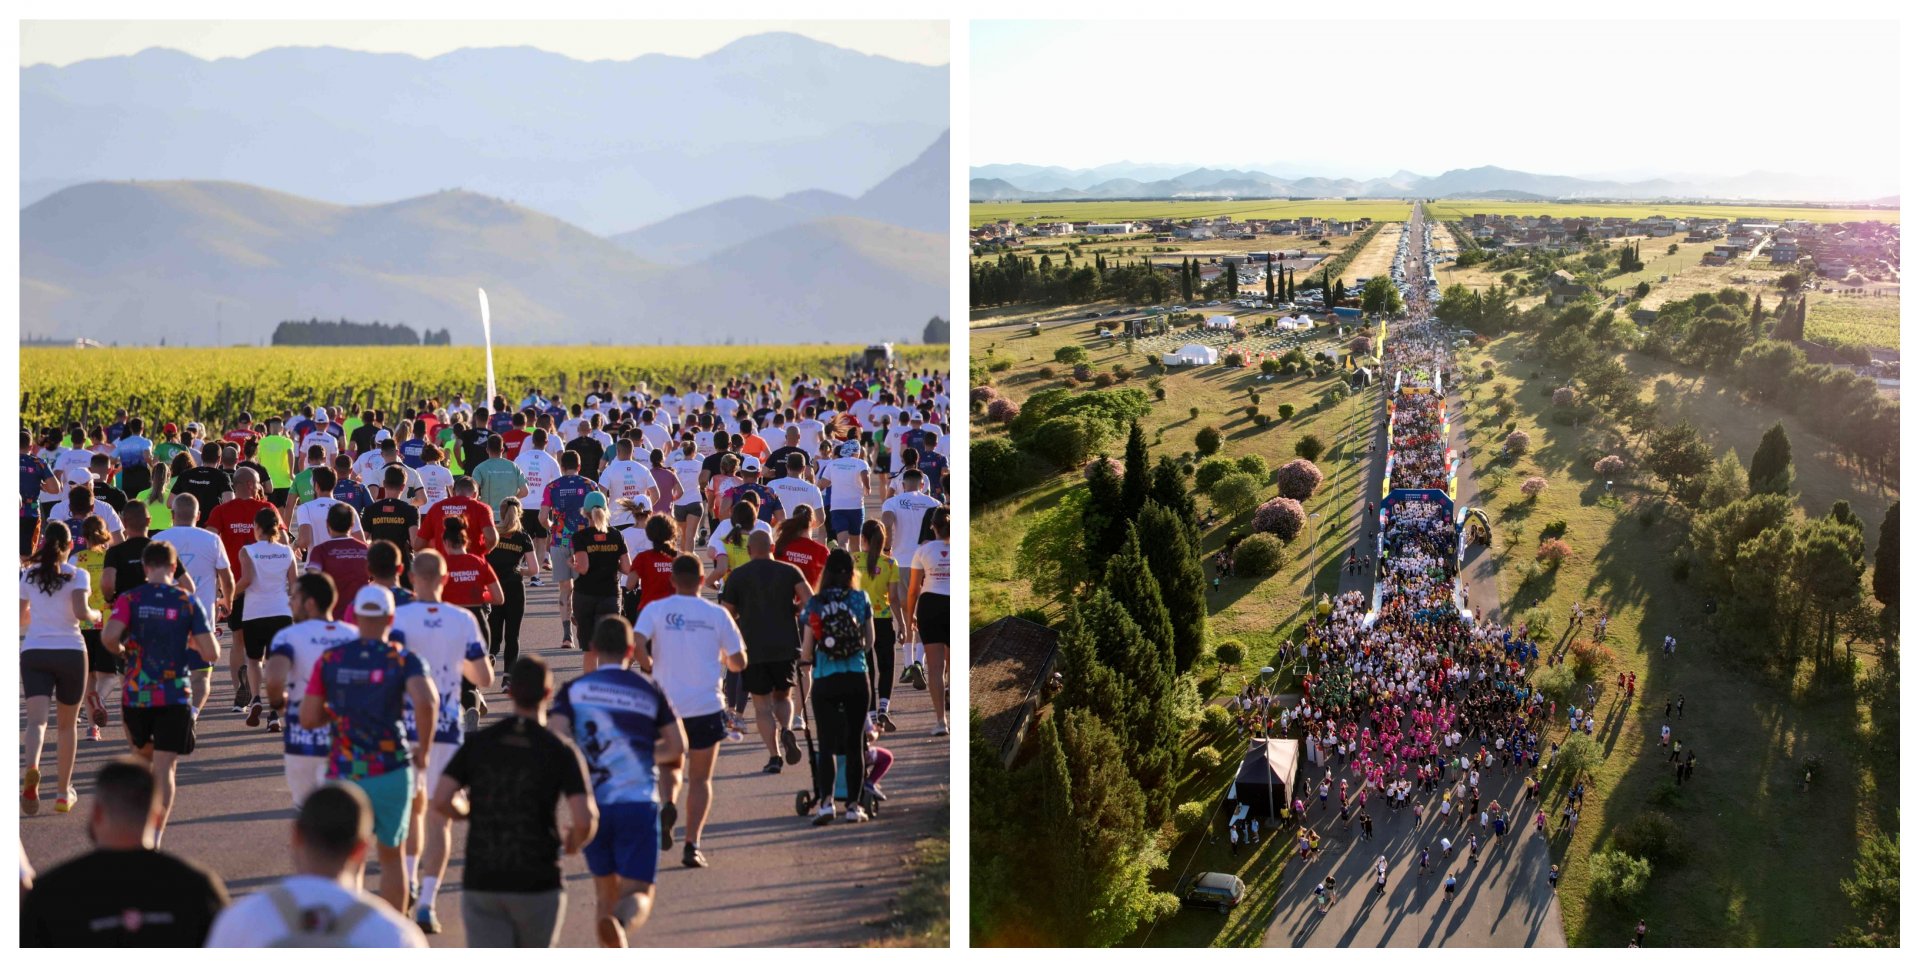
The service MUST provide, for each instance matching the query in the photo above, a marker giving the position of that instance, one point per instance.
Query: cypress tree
(1105, 516)
(1060, 870)
(1886, 560)
(1112, 820)
(1771, 471)
(1088, 682)
(1289, 285)
(1173, 556)
(1134, 487)
(1132, 583)
(1169, 490)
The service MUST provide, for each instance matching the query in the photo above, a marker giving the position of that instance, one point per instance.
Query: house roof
(1010, 659)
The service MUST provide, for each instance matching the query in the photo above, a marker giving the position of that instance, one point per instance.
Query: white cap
(373, 600)
(382, 436)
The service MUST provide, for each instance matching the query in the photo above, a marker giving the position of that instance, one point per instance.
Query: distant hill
(146, 261)
(915, 196)
(606, 145)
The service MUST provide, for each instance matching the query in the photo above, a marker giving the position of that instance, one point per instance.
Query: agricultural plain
(1378, 209)
(1453, 210)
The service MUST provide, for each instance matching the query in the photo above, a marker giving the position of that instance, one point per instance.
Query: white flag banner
(486, 332)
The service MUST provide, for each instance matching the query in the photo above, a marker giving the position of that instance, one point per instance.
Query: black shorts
(705, 732)
(260, 633)
(237, 609)
(280, 497)
(588, 609)
(765, 678)
(930, 617)
(29, 535)
(531, 524)
(691, 509)
(60, 673)
(98, 658)
(169, 729)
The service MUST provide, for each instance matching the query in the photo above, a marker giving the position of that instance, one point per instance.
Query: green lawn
(1766, 860)
(1453, 210)
(1378, 209)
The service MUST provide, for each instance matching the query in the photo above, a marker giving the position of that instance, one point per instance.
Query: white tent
(1220, 322)
(1192, 354)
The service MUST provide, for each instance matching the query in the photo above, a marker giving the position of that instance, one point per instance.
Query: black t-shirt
(776, 462)
(260, 475)
(136, 477)
(206, 484)
(605, 550)
(516, 772)
(123, 560)
(362, 438)
(391, 519)
(760, 593)
(110, 496)
(473, 447)
(590, 451)
(122, 899)
(504, 557)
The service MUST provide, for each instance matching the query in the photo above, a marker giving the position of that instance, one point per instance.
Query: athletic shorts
(260, 633)
(60, 673)
(233, 616)
(305, 774)
(29, 535)
(530, 523)
(168, 728)
(627, 843)
(562, 564)
(98, 658)
(930, 617)
(280, 497)
(392, 796)
(587, 610)
(705, 732)
(691, 509)
(763, 678)
(846, 522)
(437, 759)
(883, 462)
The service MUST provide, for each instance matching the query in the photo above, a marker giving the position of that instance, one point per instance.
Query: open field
(1453, 210)
(1764, 860)
(1378, 209)
(215, 384)
(1873, 320)
(1377, 257)
(1144, 247)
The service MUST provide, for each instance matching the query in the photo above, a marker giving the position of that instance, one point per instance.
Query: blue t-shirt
(862, 609)
(364, 684)
(353, 494)
(33, 472)
(567, 495)
(500, 423)
(132, 450)
(160, 622)
(617, 715)
(410, 453)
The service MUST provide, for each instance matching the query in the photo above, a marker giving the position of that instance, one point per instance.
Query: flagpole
(486, 333)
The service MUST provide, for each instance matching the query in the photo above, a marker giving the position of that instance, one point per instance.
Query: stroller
(807, 800)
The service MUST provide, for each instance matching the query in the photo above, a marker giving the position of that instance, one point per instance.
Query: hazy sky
(1366, 99)
(65, 41)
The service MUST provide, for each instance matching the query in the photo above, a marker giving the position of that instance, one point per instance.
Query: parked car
(1118, 312)
(1093, 315)
(1213, 889)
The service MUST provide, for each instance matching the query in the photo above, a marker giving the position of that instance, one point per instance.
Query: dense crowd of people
(366, 574)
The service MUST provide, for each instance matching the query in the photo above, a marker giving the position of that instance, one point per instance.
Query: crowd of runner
(712, 551)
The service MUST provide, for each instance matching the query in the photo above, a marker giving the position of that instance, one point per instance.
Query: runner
(53, 660)
(393, 518)
(848, 479)
(929, 597)
(267, 569)
(514, 772)
(880, 576)
(341, 557)
(512, 559)
(157, 627)
(764, 596)
(362, 689)
(597, 560)
(539, 469)
(904, 515)
(835, 645)
(633, 742)
(203, 555)
(688, 474)
(565, 502)
(290, 660)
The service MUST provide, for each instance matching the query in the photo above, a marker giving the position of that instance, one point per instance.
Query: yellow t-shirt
(879, 584)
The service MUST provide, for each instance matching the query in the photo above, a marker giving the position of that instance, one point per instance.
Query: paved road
(774, 879)
(1504, 899)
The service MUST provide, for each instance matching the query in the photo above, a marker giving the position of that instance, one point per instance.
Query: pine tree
(1771, 471)
(1134, 486)
(1842, 511)
(1886, 560)
(1088, 681)
(1173, 556)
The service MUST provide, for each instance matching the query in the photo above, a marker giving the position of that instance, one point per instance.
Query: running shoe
(940, 729)
(874, 791)
(506, 682)
(668, 814)
(535, 582)
(886, 722)
(428, 921)
(789, 746)
(906, 674)
(67, 799)
(470, 720)
(273, 721)
(30, 792)
(773, 765)
(611, 933)
(823, 815)
(253, 714)
(480, 702)
(919, 680)
(93, 732)
(692, 857)
(856, 815)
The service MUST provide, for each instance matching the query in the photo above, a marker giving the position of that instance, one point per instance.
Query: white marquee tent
(1192, 354)
(1220, 322)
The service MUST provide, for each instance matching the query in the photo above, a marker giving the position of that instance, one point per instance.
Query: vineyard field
(61, 384)
(1454, 210)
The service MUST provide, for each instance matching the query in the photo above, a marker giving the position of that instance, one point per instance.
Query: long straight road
(775, 880)
(1504, 899)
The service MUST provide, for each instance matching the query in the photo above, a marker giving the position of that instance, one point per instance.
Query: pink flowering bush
(1565, 397)
(984, 394)
(1553, 551)
(1519, 442)
(1610, 466)
(1282, 516)
(1360, 344)
(1002, 410)
(1532, 487)
(1299, 478)
(1114, 465)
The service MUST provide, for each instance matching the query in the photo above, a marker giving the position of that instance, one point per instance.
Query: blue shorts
(846, 522)
(392, 796)
(627, 843)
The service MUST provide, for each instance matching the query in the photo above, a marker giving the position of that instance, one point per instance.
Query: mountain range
(1003, 182)
(607, 145)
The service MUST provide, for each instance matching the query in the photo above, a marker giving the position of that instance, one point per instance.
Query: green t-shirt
(159, 514)
(303, 486)
(164, 451)
(348, 427)
(444, 438)
(276, 455)
(498, 479)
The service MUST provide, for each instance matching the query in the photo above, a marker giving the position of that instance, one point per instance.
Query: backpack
(315, 927)
(840, 631)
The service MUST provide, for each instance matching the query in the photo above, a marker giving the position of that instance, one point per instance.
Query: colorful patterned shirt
(364, 684)
(160, 623)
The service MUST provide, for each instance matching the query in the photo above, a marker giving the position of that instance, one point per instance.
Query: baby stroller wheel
(802, 802)
(870, 803)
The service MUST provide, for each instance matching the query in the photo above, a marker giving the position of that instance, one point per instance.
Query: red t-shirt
(851, 395)
(512, 441)
(433, 524)
(655, 569)
(468, 579)
(238, 437)
(233, 522)
(345, 561)
(808, 555)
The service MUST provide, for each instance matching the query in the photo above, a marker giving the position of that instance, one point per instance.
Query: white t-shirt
(540, 469)
(303, 643)
(444, 637)
(368, 467)
(73, 466)
(269, 595)
(793, 492)
(656, 436)
(935, 561)
(52, 625)
(254, 922)
(202, 556)
(688, 636)
(314, 514)
(329, 446)
(627, 479)
(693, 401)
(842, 474)
(436, 480)
(716, 543)
(107, 517)
(909, 509)
(687, 471)
(810, 432)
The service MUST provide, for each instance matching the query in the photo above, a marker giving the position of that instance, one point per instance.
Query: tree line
(344, 332)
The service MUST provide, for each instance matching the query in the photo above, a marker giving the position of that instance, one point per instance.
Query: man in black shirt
(126, 893)
(589, 449)
(124, 570)
(362, 438)
(250, 458)
(514, 772)
(776, 462)
(207, 482)
(764, 595)
(103, 489)
(393, 518)
(473, 441)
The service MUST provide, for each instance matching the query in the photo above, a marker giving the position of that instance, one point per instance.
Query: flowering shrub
(1002, 410)
(1610, 466)
(1299, 478)
(1533, 486)
(984, 394)
(1360, 344)
(1553, 551)
(1282, 516)
(1114, 465)
(1565, 397)
(1519, 442)
(1590, 658)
